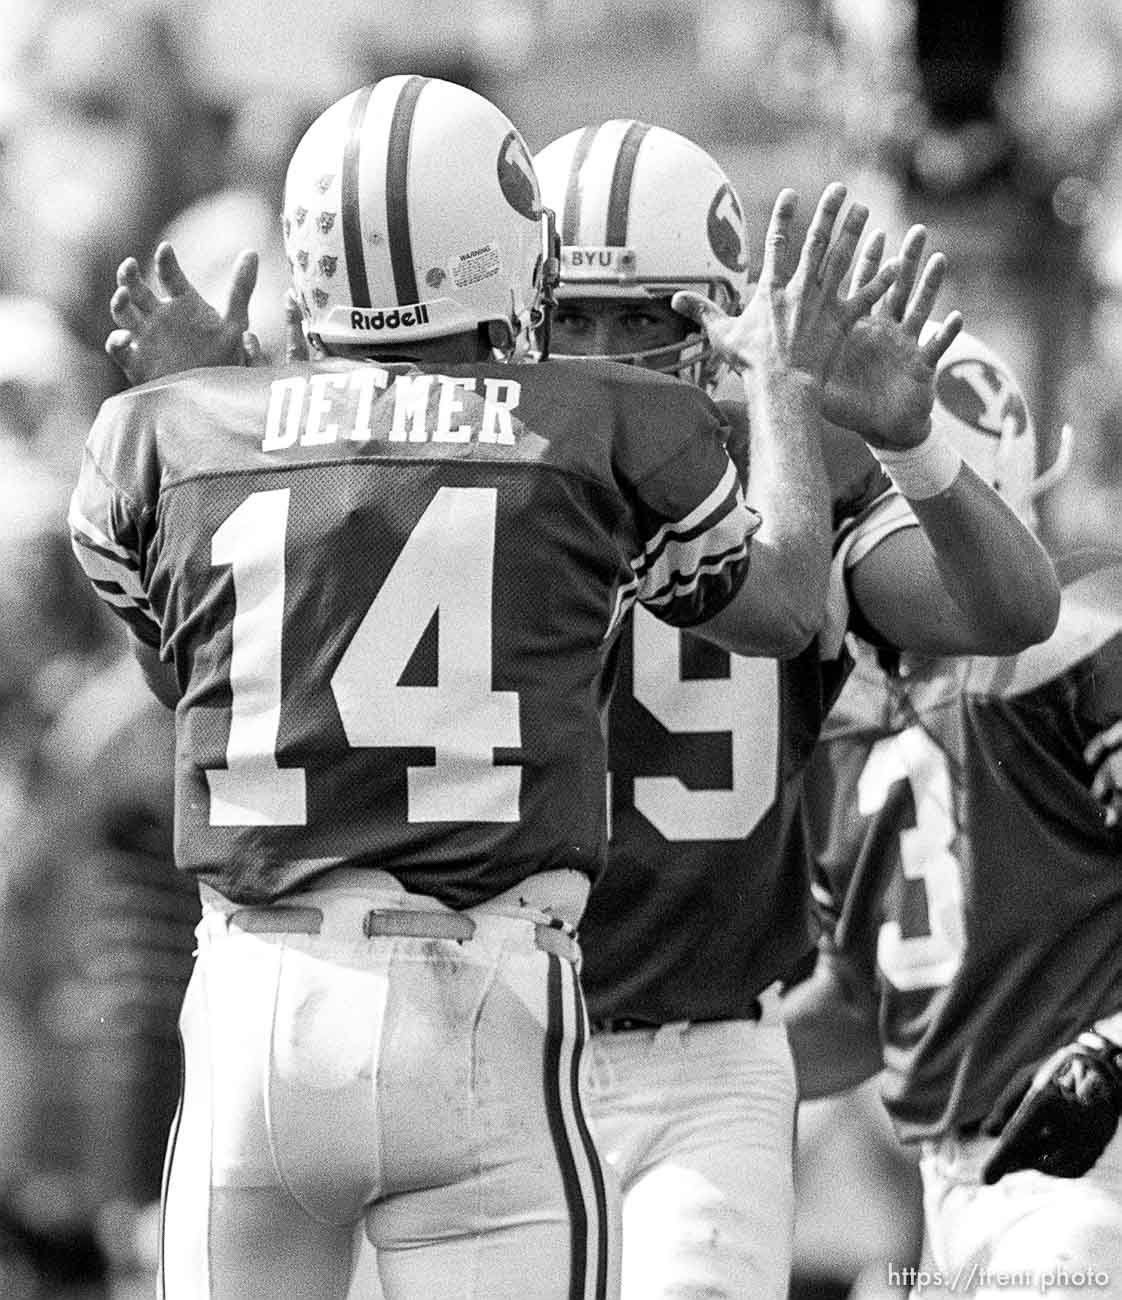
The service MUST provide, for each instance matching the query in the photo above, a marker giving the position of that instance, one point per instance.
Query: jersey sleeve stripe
(120, 602)
(692, 596)
(114, 573)
(112, 555)
(114, 592)
(853, 540)
(692, 566)
(93, 537)
(678, 587)
(888, 514)
(626, 595)
(728, 526)
(721, 500)
(107, 571)
(669, 580)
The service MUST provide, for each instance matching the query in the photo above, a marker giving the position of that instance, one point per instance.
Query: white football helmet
(411, 211)
(643, 212)
(980, 406)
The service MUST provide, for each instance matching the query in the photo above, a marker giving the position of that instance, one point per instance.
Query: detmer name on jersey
(325, 408)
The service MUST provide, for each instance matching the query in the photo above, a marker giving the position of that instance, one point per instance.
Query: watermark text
(976, 1277)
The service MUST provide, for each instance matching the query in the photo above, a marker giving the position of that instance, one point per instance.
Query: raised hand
(797, 319)
(883, 381)
(176, 329)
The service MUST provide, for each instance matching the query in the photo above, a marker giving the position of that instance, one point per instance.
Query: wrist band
(924, 470)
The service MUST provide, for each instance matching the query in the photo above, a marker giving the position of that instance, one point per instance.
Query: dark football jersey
(705, 900)
(960, 858)
(388, 595)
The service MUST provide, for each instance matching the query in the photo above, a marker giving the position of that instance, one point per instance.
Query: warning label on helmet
(478, 264)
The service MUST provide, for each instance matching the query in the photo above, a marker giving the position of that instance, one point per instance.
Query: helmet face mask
(411, 212)
(643, 211)
(640, 329)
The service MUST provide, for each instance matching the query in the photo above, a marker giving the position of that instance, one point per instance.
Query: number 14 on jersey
(445, 569)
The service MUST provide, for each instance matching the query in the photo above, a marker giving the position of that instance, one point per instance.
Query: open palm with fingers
(175, 329)
(882, 383)
(797, 319)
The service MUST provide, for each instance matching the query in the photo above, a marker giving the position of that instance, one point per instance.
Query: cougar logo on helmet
(725, 224)
(516, 178)
(981, 407)
(983, 396)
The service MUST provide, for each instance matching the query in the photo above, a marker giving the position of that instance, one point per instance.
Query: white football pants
(697, 1122)
(424, 1090)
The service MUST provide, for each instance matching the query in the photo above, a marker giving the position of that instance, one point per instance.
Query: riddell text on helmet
(399, 318)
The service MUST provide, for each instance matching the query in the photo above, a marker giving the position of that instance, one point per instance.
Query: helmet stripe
(349, 201)
(397, 191)
(620, 200)
(570, 218)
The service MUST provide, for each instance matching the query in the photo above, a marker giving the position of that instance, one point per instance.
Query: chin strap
(542, 321)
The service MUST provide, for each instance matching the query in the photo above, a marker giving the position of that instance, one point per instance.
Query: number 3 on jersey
(445, 568)
(744, 706)
(929, 960)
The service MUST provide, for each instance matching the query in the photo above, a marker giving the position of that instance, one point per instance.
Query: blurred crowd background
(996, 122)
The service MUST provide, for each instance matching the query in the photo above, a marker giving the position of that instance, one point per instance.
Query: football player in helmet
(703, 908)
(381, 589)
(642, 212)
(967, 875)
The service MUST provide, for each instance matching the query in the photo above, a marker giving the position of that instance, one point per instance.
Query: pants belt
(626, 1024)
(554, 938)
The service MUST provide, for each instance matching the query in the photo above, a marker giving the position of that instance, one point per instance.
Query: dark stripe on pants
(161, 1284)
(574, 1197)
(592, 1155)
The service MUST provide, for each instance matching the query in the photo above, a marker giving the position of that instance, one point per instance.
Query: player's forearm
(977, 580)
(991, 565)
(782, 604)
